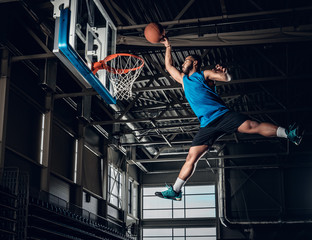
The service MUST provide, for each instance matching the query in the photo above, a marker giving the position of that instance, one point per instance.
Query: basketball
(154, 32)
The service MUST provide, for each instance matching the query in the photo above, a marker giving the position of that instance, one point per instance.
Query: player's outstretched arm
(219, 73)
(175, 73)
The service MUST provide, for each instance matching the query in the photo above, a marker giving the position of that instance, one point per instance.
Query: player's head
(190, 62)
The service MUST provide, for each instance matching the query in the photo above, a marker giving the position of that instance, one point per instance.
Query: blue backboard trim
(76, 60)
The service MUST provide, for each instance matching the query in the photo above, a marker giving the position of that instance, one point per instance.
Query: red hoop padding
(103, 64)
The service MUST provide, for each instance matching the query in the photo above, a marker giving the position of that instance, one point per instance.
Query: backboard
(84, 33)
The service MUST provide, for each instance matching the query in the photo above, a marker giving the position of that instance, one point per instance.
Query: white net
(123, 71)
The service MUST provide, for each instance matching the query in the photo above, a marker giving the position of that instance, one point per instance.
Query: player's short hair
(198, 59)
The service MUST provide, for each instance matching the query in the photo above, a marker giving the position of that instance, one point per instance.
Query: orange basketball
(154, 32)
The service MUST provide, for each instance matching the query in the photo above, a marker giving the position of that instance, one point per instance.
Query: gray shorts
(225, 124)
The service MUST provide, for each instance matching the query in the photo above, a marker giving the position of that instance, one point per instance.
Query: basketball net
(122, 70)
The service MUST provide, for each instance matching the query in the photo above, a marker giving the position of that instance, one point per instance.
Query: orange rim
(120, 70)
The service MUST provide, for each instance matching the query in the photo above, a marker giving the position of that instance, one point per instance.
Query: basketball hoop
(123, 69)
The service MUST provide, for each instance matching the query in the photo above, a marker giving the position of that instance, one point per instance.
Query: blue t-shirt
(206, 104)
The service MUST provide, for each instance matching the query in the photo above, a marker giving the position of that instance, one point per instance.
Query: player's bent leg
(194, 154)
(293, 133)
(186, 172)
(253, 127)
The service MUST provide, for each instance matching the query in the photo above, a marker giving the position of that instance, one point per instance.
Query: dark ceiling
(266, 46)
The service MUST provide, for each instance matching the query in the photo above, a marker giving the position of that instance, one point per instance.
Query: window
(114, 186)
(132, 197)
(197, 202)
(42, 138)
(201, 233)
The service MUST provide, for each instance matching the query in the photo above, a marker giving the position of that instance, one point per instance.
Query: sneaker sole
(176, 199)
(173, 198)
(301, 136)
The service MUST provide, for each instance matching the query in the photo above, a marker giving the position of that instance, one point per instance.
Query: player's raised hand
(164, 40)
(219, 68)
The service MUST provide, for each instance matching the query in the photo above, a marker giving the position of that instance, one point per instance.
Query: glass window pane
(157, 214)
(156, 203)
(119, 192)
(178, 204)
(178, 213)
(200, 238)
(113, 200)
(152, 190)
(200, 231)
(197, 201)
(200, 213)
(155, 232)
(157, 238)
(178, 232)
(112, 172)
(199, 189)
(115, 185)
(200, 204)
(114, 190)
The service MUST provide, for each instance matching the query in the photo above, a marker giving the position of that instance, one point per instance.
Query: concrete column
(49, 75)
(47, 143)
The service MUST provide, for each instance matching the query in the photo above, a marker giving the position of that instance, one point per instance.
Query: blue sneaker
(170, 194)
(294, 134)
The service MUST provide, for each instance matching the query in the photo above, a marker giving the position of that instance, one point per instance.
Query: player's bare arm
(219, 73)
(175, 73)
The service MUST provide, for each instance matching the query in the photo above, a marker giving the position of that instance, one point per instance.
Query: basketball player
(214, 117)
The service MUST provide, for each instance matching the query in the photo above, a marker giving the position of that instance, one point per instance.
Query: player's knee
(191, 158)
(248, 125)
(253, 124)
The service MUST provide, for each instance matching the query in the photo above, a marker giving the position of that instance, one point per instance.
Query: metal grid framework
(265, 45)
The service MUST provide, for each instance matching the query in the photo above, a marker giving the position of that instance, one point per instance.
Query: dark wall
(270, 194)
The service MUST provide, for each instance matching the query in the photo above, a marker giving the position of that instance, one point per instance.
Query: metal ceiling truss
(158, 102)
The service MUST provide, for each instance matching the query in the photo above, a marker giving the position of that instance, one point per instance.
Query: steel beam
(194, 117)
(180, 159)
(221, 18)
(234, 81)
(78, 94)
(143, 120)
(33, 57)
